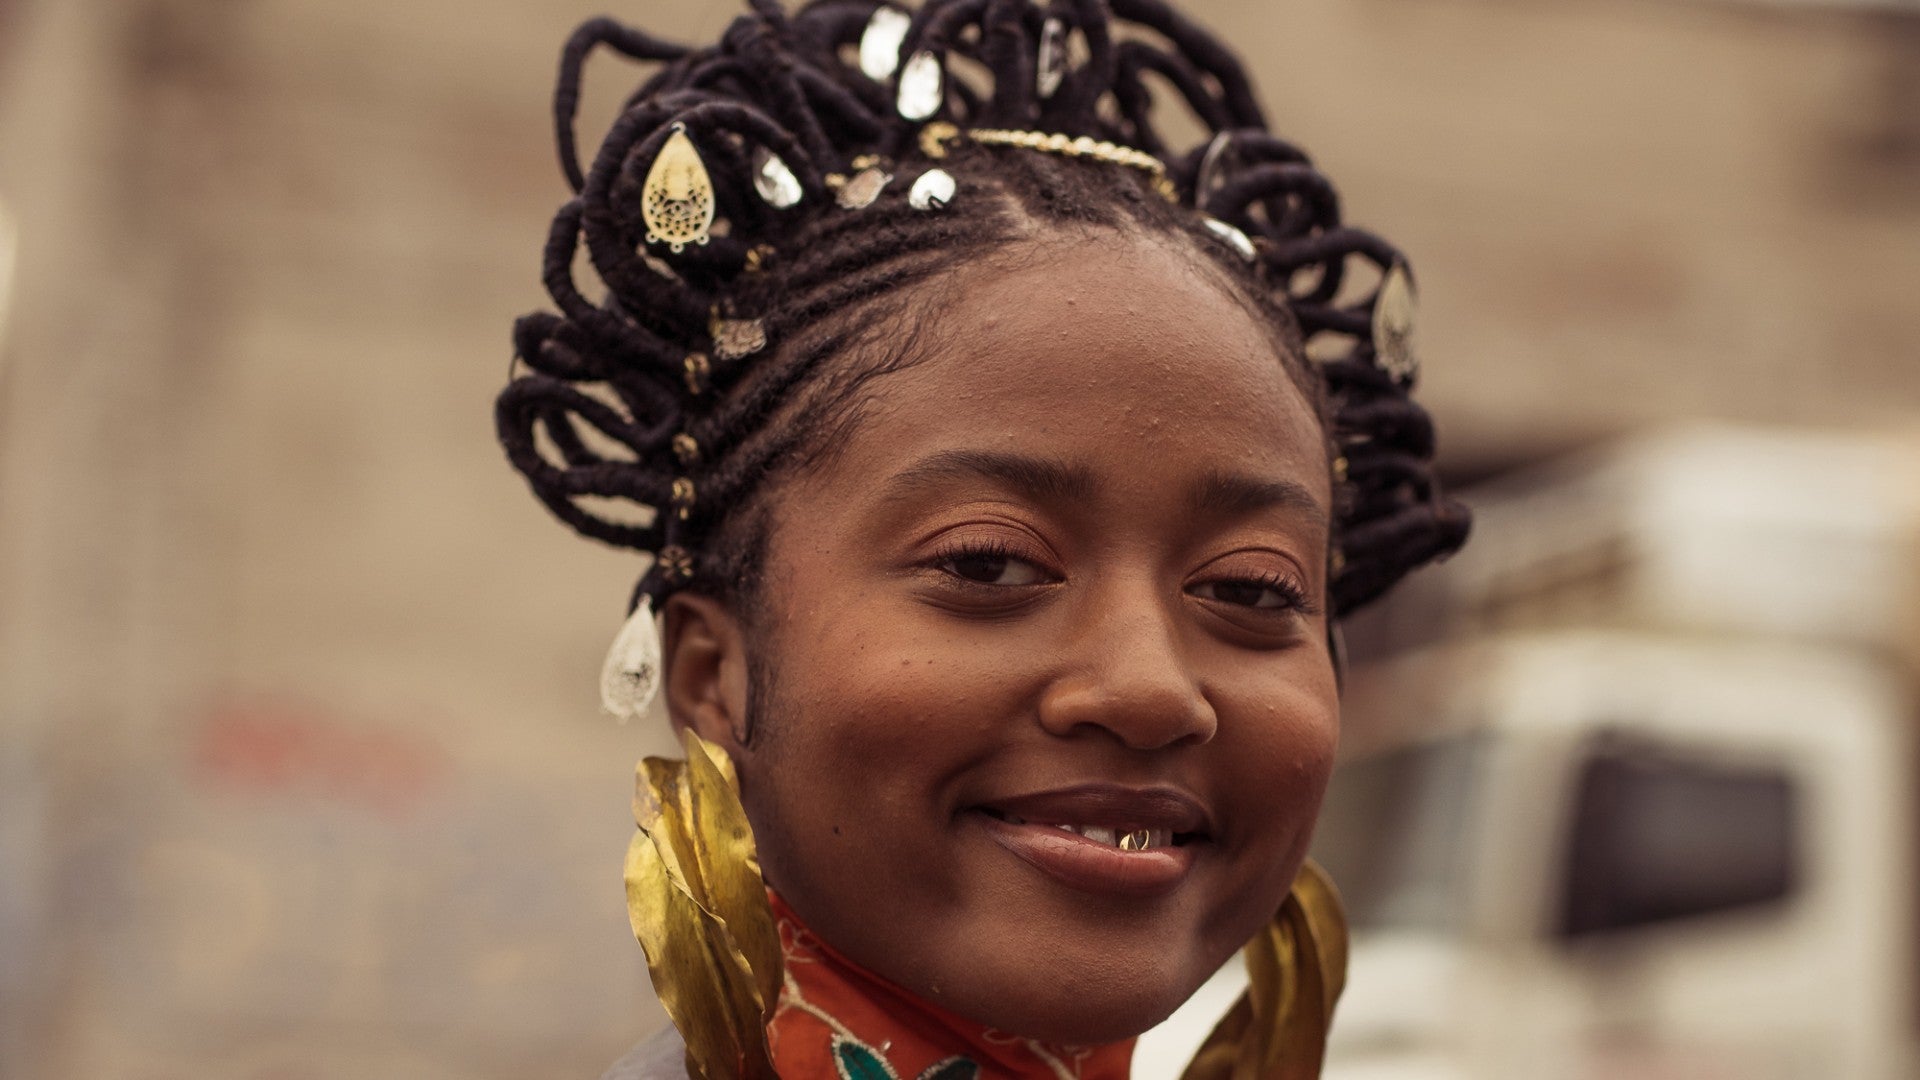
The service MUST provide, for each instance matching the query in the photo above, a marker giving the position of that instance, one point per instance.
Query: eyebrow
(1219, 494)
(1225, 494)
(1036, 478)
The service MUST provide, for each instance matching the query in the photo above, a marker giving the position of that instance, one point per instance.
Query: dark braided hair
(707, 368)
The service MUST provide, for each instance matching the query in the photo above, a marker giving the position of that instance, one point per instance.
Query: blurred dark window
(1659, 834)
(1394, 834)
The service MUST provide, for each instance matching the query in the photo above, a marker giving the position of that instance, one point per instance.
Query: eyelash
(979, 549)
(1293, 597)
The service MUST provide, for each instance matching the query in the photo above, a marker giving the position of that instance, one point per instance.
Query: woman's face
(1059, 595)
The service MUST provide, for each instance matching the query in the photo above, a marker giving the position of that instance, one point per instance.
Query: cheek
(884, 693)
(1279, 750)
(851, 784)
(852, 692)
(891, 673)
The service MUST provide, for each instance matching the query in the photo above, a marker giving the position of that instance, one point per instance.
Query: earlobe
(705, 662)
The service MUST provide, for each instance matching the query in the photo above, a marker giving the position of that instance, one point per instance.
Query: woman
(999, 521)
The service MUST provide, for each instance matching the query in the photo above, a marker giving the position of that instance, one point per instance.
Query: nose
(1127, 674)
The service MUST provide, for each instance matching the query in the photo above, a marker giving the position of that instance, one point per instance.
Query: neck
(836, 1018)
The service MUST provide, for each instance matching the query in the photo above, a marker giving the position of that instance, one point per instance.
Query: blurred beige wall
(300, 768)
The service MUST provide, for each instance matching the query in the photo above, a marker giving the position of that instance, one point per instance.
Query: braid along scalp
(699, 373)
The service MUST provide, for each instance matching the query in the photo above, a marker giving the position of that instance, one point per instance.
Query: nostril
(1139, 723)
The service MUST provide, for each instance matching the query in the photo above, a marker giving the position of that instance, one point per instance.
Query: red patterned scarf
(836, 1019)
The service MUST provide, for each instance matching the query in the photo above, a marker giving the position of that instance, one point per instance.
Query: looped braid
(699, 373)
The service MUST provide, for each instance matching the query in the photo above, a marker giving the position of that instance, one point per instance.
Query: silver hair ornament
(1393, 314)
(630, 678)
(880, 42)
(933, 191)
(921, 87)
(1050, 70)
(1219, 158)
(859, 192)
(773, 180)
(1234, 238)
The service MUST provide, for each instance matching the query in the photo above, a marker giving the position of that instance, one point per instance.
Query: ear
(704, 656)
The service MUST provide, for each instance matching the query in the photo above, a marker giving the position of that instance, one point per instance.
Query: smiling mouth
(1101, 838)
(1122, 837)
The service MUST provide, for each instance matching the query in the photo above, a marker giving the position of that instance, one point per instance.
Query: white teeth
(1124, 839)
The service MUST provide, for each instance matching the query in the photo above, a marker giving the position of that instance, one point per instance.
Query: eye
(990, 565)
(1261, 594)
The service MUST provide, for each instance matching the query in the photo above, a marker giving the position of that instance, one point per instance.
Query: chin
(1073, 1002)
(1069, 1020)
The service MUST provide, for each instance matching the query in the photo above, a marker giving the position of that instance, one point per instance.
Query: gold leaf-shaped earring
(677, 200)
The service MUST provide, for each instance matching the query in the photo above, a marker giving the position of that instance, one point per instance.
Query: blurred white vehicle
(1625, 856)
(1635, 797)
(1615, 855)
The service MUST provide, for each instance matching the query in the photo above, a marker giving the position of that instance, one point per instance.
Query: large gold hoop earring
(698, 905)
(1296, 967)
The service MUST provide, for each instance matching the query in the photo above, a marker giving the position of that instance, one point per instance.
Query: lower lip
(1089, 865)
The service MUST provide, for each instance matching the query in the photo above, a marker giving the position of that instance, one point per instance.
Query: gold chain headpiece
(935, 137)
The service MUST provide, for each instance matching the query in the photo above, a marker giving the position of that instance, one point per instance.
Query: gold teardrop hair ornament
(677, 199)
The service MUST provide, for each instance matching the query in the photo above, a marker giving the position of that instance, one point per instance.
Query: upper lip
(1114, 805)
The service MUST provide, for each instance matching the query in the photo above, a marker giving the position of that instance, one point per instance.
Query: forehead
(1104, 351)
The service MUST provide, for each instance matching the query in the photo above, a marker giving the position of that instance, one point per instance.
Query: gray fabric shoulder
(661, 1057)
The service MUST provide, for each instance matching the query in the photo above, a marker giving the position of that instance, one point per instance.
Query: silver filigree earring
(630, 678)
